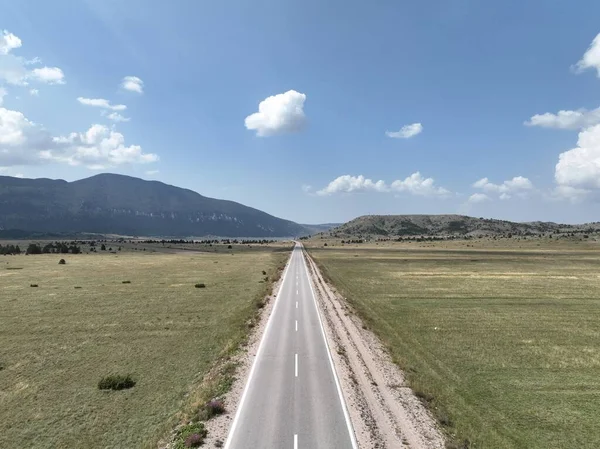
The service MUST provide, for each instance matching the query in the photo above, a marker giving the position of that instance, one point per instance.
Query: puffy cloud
(277, 114)
(116, 117)
(48, 75)
(348, 183)
(581, 118)
(22, 142)
(133, 84)
(478, 198)
(14, 69)
(8, 42)
(406, 132)
(418, 185)
(572, 194)
(99, 147)
(414, 184)
(518, 184)
(580, 167)
(3, 94)
(591, 58)
(101, 103)
(306, 188)
(34, 92)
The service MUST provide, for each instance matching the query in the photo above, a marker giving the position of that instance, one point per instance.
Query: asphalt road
(292, 398)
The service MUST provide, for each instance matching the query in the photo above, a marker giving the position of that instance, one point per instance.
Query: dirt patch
(384, 411)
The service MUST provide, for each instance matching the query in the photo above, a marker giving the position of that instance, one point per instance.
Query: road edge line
(258, 352)
(335, 376)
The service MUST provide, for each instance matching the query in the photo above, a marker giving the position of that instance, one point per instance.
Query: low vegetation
(116, 382)
(82, 322)
(500, 342)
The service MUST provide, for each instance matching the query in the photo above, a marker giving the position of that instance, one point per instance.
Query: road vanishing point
(292, 398)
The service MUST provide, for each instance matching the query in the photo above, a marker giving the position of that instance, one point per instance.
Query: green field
(503, 344)
(83, 322)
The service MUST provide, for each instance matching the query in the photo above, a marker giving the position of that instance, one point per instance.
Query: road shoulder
(384, 411)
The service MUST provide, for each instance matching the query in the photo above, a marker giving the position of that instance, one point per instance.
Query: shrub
(200, 285)
(264, 272)
(229, 247)
(181, 441)
(211, 409)
(194, 440)
(62, 262)
(126, 282)
(33, 285)
(116, 382)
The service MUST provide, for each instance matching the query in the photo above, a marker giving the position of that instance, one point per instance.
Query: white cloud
(22, 142)
(580, 167)
(101, 103)
(48, 75)
(14, 129)
(591, 58)
(505, 196)
(348, 183)
(34, 92)
(306, 188)
(133, 84)
(19, 175)
(478, 198)
(278, 114)
(152, 172)
(414, 184)
(8, 42)
(418, 185)
(572, 194)
(518, 184)
(98, 148)
(14, 69)
(579, 119)
(116, 117)
(406, 132)
(3, 94)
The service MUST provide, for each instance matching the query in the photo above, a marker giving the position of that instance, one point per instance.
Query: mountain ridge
(119, 204)
(449, 225)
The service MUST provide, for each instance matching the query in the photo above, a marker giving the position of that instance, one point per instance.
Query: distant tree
(103, 247)
(34, 248)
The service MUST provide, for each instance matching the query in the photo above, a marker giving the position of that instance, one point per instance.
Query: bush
(200, 285)
(126, 282)
(33, 285)
(194, 440)
(62, 262)
(211, 409)
(181, 441)
(264, 272)
(116, 382)
(229, 247)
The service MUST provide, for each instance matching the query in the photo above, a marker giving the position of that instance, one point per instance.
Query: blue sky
(478, 87)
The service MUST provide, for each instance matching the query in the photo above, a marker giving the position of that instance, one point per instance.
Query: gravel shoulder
(384, 411)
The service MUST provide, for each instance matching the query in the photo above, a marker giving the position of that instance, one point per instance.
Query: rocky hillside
(446, 225)
(116, 204)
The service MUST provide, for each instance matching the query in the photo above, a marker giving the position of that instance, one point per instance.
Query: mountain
(444, 225)
(117, 204)
(316, 228)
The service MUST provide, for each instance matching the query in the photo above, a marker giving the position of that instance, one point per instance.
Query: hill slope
(440, 225)
(118, 204)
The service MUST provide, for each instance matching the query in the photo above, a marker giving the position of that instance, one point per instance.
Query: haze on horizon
(313, 112)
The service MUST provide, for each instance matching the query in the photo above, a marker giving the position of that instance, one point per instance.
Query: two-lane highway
(292, 398)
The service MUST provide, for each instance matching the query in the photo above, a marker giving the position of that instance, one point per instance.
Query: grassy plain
(84, 322)
(502, 339)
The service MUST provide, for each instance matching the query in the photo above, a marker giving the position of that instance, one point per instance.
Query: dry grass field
(132, 313)
(501, 339)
